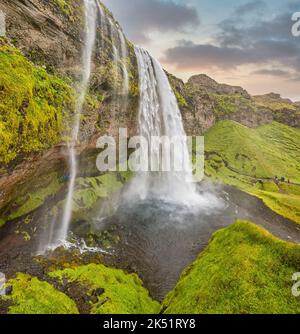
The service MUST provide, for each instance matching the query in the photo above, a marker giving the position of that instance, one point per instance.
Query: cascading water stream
(120, 54)
(159, 116)
(90, 9)
(124, 55)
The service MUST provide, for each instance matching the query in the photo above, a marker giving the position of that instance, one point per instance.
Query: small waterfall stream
(94, 16)
(90, 10)
(119, 51)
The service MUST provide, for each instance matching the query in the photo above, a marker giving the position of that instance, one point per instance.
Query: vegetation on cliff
(34, 105)
(243, 270)
(283, 110)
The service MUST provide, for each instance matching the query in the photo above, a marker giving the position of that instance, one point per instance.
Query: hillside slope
(251, 159)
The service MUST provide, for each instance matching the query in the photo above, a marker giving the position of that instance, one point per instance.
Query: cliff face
(51, 34)
(204, 102)
(45, 32)
(40, 68)
(283, 110)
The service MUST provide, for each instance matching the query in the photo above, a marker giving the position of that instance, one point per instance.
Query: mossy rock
(32, 296)
(122, 293)
(244, 270)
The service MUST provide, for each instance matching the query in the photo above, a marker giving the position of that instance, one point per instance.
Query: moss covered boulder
(114, 291)
(32, 296)
(243, 270)
(94, 288)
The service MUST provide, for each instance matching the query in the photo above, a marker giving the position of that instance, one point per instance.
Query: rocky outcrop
(207, 102)
(283, 110)
(210, 86)
(204, 102)
(51, 34)
(45, 33)
(196, 107)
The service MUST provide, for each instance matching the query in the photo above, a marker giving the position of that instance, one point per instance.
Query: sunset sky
(239, 42)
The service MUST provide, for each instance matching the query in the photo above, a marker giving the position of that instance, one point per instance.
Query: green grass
(34, 105)
(243, 270)
(247, 158)
(32, 296)
(228, 104)
(123, 293)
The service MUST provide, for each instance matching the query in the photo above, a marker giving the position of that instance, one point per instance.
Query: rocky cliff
(204, 102)
(283, 110)
(40, 68)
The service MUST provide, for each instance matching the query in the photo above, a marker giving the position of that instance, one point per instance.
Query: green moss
(180, 99)
(123, 293)
(243, 270)
(89, 190)
(177, 86)
(34, 106)
(66, 7)
(228, 104)
(32, 296)
(242, 157)
(34, 199)
(274, 104)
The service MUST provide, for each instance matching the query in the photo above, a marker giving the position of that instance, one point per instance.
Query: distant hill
(204, 102)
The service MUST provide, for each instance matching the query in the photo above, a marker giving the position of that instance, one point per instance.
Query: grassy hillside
(250, 159)
(243, 270)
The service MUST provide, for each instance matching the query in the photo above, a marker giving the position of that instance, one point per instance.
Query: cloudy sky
(239, 42)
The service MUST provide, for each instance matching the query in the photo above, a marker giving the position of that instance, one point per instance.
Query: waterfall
(120, 58)
(90, 10)
(159, 116)
(124, 56)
